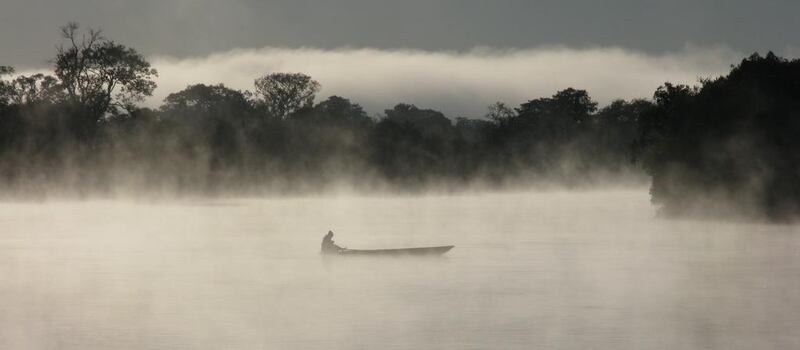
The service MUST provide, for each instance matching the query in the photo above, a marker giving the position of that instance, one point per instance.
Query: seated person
(327, 244)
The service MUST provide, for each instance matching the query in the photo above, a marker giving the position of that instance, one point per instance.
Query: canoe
(398, 252)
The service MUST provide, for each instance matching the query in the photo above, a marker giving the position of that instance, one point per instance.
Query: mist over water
(552, 269)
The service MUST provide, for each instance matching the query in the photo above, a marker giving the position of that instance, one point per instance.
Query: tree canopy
(101, 75)
(728, 146)
(284, 93)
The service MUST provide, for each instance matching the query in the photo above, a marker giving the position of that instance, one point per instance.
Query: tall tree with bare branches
(100, 75)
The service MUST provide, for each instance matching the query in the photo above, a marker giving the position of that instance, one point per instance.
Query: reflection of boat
(396, 252)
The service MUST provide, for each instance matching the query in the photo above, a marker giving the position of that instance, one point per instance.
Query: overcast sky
(447, 30)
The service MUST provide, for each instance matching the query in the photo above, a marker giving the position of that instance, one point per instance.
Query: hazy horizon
(460, 84)
(455, 56)
(419, 174)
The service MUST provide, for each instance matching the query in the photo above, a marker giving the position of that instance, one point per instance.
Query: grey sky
(182, 28)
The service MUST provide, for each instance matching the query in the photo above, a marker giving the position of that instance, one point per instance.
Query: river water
(534, 270)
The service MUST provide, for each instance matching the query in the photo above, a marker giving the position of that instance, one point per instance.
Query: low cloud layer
(459, 84)
(456, 83)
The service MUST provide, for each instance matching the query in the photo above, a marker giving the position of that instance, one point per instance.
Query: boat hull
(397, 252)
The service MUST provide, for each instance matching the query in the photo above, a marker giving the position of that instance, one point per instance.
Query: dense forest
(729, 144)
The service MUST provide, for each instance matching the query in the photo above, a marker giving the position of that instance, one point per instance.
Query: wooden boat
(422, 251)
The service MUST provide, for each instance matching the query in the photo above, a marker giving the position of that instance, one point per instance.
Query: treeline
(81, 130)
(728, 146)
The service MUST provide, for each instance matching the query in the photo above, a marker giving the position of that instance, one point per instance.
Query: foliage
(729, 146)
(101, 75)
(284, 93)
(5, 88)
(37, 88)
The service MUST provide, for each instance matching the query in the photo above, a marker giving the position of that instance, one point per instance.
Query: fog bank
(458, 83)
(530, 270)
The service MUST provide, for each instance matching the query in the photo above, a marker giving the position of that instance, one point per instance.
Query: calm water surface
(553, 270)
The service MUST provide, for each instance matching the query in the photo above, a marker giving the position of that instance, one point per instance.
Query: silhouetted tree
(99, 74)
(5, 88)
(499, 111)
(430, 123)
(326, 142)
(412, 144)
(615, 130)
(37, 88)
(560, 116)
(284, 93)
(336, 111)
(201, 101)
(398, 151)
(215, 122)
(733, 138)
(729, 147)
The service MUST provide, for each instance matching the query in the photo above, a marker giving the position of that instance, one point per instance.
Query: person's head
(330, 233)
